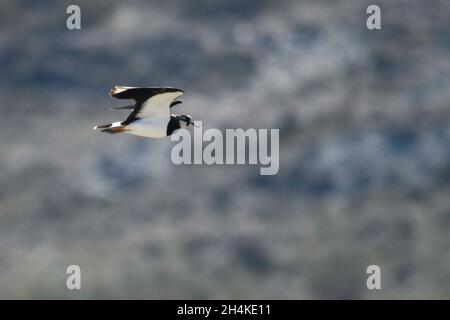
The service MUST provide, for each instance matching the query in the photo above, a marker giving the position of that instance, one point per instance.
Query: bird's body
(152, 128)
(151, 115)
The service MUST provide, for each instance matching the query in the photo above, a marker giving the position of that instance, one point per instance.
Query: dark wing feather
(139, 94)
(173, 104)
(124, 107)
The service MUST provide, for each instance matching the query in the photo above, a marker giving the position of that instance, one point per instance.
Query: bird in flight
(150, 115)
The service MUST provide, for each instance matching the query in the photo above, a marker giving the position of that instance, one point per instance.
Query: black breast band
(173, 125)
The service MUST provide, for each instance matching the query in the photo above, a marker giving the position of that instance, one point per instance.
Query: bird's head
(185, 121)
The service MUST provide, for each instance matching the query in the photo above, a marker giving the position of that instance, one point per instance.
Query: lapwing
(150, 115)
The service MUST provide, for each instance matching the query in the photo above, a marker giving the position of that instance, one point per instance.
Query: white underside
(151, 128)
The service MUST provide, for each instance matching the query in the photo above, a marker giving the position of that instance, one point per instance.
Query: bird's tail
(111, 128)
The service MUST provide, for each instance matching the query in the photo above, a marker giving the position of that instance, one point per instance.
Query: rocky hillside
(364, 119)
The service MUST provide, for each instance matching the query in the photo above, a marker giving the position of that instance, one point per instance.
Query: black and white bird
(151, 115)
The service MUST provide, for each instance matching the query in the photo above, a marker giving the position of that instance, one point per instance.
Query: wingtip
(177, 89)
(118, 89)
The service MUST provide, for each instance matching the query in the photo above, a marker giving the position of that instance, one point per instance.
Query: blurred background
(364, 176)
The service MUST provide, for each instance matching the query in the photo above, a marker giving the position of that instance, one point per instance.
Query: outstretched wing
(152, 103)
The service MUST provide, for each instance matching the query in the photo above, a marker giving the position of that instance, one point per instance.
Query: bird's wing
(174, 103)
(150, 102)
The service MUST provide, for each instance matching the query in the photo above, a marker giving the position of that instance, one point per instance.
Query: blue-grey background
(364, 176)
